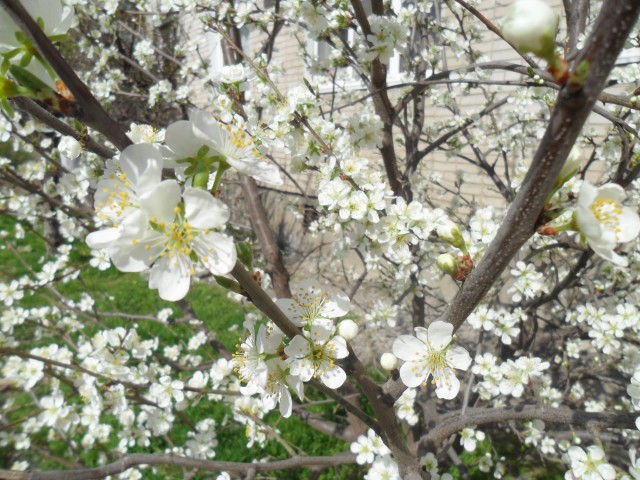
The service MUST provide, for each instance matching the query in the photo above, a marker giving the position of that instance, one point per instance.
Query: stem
(92, 112)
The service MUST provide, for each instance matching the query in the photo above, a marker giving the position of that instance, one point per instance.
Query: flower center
(320, 355)
(118, 197)
(179, 237)
(436, 361)
(311, 305)
(607, 212)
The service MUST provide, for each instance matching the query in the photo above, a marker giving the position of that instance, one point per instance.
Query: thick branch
(481, 416)
(36, 111)
(573, 106)
(333, 429)
(572, 109)
(92, 112)
(273, 256)
(137, 459)
(383, 107)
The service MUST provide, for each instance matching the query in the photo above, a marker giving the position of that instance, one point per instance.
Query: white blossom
(315, 357)
(429, 353)
(531, 25)
(604, 221)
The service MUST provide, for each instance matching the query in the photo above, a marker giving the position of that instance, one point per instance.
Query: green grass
(114, 291)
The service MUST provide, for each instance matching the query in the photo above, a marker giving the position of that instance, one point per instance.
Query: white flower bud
(232, 74)
(69, 148)
(451, 233)
(531, 25)
(388, 361)
(571, 166)
(348, 329)
(448, 263)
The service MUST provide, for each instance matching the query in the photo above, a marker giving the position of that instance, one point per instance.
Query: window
(399, 62)
(217, 55)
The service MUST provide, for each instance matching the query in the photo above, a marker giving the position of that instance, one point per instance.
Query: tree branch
(137, 459)
(383, 107)
(572, 109)
(455, 422)
(36, 111)
(573, 106)
(92, 112)
(233, 54)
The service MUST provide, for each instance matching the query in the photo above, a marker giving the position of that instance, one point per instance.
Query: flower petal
(612, 191)
(333, 377)
(207, 129)
(587, 222)
(296, 385)
(408, 347)
(292, 310)
(142, 164)
(440, 334)
(606, 471)
(202, 210)
(458, 357)
(422, 334)
(411, 375)
(588, 193)
(161, 201)
(319, 334)
(298, 347)
(338, 346)
(337, 305)
(448, 384)
(181, 140)
(171, 276)
(605, 250)
(261, 171)
(629, 225)
(102, 238)
(216, 251)
(138, 245)
(286, 405)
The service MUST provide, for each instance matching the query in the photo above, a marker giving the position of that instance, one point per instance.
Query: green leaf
(245, 254)
(227, 283)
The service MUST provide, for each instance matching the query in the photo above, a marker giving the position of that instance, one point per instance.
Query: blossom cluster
(159, 210)
(386, 35)
(507, 378)
(169, 227)
(273, 366)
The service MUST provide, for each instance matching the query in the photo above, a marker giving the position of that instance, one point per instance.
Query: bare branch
(475, 12)
(455, 422)
(36, 111)
(137, 459)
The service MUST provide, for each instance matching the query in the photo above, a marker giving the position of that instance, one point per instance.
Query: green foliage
(114, 291)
